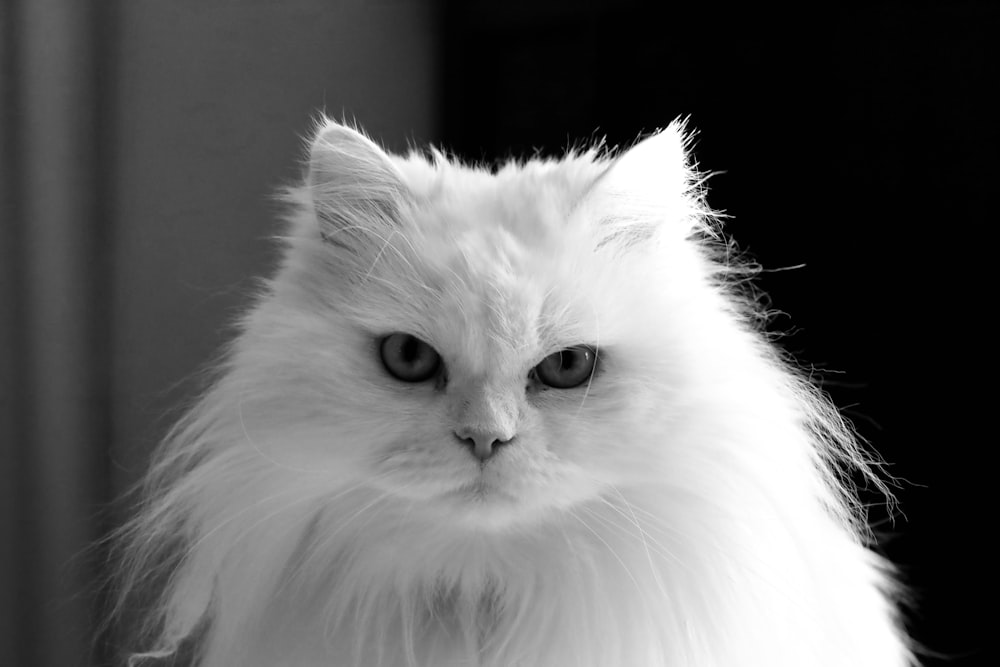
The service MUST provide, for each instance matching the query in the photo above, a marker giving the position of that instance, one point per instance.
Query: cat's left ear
(648, 187)
(357, 192)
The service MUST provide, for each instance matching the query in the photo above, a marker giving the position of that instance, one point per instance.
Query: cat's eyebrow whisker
(385, 244)
(494, 308)
(548, 318)
(388, 245)
(393, 287)
(459, 280)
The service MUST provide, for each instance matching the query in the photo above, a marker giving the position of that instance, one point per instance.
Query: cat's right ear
(650, 188)
(357, 193)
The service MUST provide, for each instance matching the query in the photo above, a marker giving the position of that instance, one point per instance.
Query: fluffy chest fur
(401, 464)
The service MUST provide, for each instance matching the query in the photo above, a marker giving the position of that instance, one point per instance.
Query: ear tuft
(654, 167)
(649, 186)
(353, 183)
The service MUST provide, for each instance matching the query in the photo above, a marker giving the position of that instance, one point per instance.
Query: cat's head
(490, 345)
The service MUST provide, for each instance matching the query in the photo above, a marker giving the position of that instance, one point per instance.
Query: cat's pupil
(569, 359)
(411, 350)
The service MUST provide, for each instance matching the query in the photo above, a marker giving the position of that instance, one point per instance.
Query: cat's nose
(482, 442)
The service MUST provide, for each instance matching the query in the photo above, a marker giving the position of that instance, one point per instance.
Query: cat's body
(684, 505)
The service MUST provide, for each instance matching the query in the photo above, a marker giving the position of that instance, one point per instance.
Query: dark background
(859, 142)
(141, 143)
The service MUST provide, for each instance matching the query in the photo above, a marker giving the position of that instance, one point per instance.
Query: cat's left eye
(408, 358)
(567, 368)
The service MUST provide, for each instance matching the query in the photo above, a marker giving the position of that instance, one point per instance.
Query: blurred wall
(213, 102)
(141, 144)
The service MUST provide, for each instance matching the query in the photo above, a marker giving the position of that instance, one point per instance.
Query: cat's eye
(408, 358)
(567, 368)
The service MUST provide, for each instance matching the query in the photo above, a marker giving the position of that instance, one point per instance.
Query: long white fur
(689, 506)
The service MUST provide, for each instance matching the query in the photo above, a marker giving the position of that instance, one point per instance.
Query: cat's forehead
(525, 199)
(519, 215)
(491, 255)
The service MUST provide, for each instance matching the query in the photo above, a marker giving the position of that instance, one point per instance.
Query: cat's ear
(651, 186)
(356, 191)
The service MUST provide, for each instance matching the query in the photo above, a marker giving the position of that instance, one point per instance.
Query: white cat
(521, 418)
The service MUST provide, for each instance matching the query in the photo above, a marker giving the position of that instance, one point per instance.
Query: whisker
(611, 550)
(256, 447)
(658, 550)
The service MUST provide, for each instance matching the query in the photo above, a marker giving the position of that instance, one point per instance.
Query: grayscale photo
(403, 333)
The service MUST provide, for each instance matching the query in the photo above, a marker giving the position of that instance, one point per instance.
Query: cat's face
(422, 332)
(494, 300)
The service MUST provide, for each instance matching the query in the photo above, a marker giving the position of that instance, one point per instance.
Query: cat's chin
(488, 500)
(511, 490)
(483, 504)
(487, 503)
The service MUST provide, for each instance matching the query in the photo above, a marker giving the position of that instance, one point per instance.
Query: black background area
(860, 142)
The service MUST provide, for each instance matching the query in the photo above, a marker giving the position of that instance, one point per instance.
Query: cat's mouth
(485, 488)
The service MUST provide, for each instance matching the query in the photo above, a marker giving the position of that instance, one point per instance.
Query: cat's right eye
(409, 359)
(568, 368)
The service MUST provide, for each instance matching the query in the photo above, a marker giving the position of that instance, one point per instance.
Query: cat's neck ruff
(622, 581)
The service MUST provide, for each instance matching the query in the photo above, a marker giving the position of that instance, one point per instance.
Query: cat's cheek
(614, 437)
